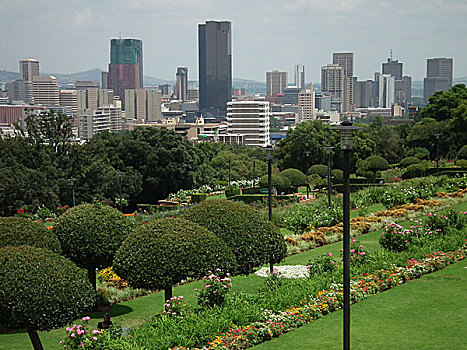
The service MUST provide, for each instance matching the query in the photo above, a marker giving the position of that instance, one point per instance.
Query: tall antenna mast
(390, 54)
(119, 35)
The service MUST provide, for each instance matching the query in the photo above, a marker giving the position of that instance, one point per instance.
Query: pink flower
(332, 262)
(94, 338)
(72, 335)
(82, 344)
(330, 254)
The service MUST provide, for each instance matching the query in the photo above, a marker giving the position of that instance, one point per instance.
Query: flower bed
(274, 324)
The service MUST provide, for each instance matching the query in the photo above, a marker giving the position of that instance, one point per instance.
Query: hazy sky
(74, 35)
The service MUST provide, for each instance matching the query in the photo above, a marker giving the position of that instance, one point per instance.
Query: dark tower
(215, 66)
(126, 66)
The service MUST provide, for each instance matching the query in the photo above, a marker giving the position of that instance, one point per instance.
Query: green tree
(442, 103)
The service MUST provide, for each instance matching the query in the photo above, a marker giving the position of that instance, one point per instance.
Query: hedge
(250, 198)
(409, 161)
(296, 177)
(198, 197)
(253, 239)
(251, 190)
(356, 187)
(462, 154)
(279, 182)
(20, 231)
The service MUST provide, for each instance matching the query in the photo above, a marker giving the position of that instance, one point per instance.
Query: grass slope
(427, 313)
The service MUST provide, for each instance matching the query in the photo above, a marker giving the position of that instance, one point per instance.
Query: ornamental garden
(204, 267)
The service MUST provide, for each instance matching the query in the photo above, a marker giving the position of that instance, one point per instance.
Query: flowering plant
(214, 290)
(274, 279)
(175, 306)
(359, 254)
(321, 264)
(78, 337)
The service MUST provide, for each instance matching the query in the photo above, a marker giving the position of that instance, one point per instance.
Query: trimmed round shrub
(21, 231)
(40, 290)
(164, 252)
(296, 177)
(90, 235)
(253, 239)
(375, 163)
(409, 161)
(337, 175)
(462, 154)
(281, 183)
(415, 170)
(231, 191)
(319, 169)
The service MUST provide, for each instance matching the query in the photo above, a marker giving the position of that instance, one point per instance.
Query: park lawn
(427, 313)
(216, 196)
(134, 312)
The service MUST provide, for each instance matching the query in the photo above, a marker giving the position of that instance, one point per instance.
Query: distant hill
(7, 76)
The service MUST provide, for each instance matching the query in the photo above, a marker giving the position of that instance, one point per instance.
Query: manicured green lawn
(427, 313)
(135, 312)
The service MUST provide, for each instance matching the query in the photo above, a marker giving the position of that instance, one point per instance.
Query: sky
(74, 35)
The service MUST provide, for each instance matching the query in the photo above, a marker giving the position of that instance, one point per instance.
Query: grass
(134, 312)
(426, 313)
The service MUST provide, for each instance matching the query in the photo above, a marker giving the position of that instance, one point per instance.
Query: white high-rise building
(106, 97)
(386, 90)
(299, 74)
(91, 122)
(45, 91)
(28, 69)
(306, 104)
(143, 104)
(69, 98)
(251, 119)
(115, 114)
(333, 82)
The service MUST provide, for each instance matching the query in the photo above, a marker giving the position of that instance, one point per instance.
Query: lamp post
(307, 153)
(269, 149)
(346, 129)
(72, 180)
(328, 152)
(437, 135)
(120, 174)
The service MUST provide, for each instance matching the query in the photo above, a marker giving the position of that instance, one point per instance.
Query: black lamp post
(307, 153)
(269, 149)
(346, 129)
(328, 152)
(120, 189)
(72, 180)
(437, 135)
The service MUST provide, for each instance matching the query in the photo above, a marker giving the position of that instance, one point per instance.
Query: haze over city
(74, 36)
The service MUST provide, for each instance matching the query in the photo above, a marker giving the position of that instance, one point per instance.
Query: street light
(346, 129)
(437, 135)
(72, 180)
(120, 189)
(307, 153)
(269, 149)
(328, 152)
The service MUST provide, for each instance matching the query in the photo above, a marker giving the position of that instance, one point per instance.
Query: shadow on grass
(116, 310)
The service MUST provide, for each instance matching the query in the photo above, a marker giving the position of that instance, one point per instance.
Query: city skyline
(77, 38)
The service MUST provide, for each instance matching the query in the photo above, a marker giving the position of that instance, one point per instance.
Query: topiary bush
(404, 163)
(462, 154)
(337, 176)
(90, 235)
(40, 290)
(376, 163)
(19, 231)
(253, 239)
(165, 252)
(296, 177)
(231, 191)
(318, 169)
(280, 183)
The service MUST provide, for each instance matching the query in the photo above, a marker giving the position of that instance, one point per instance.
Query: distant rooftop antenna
(390, 54)
(120, 36)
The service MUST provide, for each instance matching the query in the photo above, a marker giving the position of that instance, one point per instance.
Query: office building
(345, 60)
(105, 80)
(333, 82)
(45, 91)
(393, 67)
(365, 93)
(181, 86)
(192, 94)
(105, 97)
(276, 82)
(386, 90)
(143, 105)
(249, 118)
(88, 95)
(306, 104)
(438, 76)
(299, 75)
(166, 90)
(69, 98)
(92, 122)
(115, 116)
(291, 95)
(215, 66)
(323, 102)
(28, 69)
(126, 66)
(153, 105)
(20, 91)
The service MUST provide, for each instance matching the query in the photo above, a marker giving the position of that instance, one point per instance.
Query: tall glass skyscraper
(215, 66)
(126, 66)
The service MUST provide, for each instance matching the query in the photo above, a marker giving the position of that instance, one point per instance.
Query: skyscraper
(215, 66)
(306, 104)
(386, 90)
(28, 68)
(126, 66)
(45, 91)
(438, 76)
(333, 82)
(181, 86)
(299, 74)
(345, 60)
(276, 82)
(393, 67)
(402, 84)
